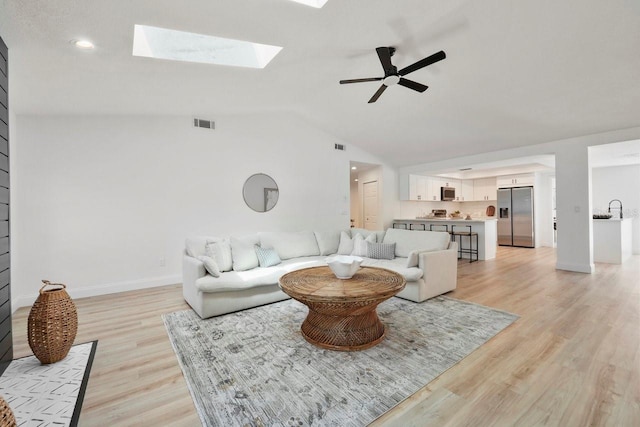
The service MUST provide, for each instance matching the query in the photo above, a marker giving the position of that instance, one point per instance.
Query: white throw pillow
(210, 265)
(328, 241)
(243, 253)
(360, 244)
(220, 251)
(346, 244)
(366, 233)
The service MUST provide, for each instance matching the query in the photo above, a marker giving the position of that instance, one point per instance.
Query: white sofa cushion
(346, 244)
(291, 244)
(243, 252)
(238, 280)
(412, 259)
(328, 241)
(220, 251)
(399, 265)
(412, 240)
(195, 246)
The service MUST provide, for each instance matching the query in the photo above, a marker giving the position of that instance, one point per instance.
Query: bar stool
(417, 227)
(470, 234)
(438, 227)
(400, 225)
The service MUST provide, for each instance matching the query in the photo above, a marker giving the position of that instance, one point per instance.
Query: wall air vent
(340, 147)
(206, 124)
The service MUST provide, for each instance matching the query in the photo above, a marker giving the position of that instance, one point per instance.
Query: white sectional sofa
(426, 259)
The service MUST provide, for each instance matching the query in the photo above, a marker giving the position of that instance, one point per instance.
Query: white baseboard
(104, 289)
(578, 268)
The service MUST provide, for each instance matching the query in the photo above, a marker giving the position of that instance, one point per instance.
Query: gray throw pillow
(381, 250)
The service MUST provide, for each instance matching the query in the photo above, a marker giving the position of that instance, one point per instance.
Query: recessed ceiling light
(353, 168)
(313, 3)
(83, 44)
(161, 43)
(356, 180)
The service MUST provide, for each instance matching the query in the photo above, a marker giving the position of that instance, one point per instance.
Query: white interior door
(370, 190)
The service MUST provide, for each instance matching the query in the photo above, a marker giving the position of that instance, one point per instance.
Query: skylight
(313, 3)
(161, 43)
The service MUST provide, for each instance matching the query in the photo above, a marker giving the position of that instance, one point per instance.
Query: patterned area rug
(48, 395)
(254, 368)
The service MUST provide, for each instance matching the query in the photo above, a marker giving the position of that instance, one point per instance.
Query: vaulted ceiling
(516, 73)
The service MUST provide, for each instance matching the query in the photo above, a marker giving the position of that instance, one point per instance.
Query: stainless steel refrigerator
(515, 217)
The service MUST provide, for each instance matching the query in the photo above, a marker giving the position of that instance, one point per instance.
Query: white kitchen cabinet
(466, 191)
(507, 181)
(485, 189)
(418, 187)
(434, 184)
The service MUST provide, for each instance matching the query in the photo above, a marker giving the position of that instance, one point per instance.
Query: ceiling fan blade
(419, 87)
(376, 95)
(384, 53)
(438, 56)
(371, 79)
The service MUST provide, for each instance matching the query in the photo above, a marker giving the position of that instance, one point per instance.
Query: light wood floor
(572, 359)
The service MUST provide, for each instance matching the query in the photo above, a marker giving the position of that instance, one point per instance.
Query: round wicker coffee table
(342, 312)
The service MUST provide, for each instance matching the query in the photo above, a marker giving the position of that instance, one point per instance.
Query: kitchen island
(612, 240)
(485, 227)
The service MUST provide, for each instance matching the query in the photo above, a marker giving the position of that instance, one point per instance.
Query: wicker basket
(6, 416)
(52, 324)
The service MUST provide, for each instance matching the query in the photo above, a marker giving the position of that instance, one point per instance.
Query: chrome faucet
(615, 200)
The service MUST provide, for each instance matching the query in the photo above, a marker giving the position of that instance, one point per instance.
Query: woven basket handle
(48, 283)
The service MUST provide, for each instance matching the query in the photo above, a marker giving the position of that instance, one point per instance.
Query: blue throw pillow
(267, 256)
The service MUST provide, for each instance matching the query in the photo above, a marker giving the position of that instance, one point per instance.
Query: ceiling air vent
(340, 147)
(206, 124)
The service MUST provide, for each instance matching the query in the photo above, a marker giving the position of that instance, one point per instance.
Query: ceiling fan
(391, 74)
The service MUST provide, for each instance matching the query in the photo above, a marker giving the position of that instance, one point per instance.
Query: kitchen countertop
(461, 219)
(612, 219)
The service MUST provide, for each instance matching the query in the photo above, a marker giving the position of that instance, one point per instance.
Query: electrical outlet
(162, 262)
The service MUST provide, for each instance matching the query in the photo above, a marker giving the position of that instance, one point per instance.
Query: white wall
(623, 183)
(102, 201)
(543, 209)
(575, 227)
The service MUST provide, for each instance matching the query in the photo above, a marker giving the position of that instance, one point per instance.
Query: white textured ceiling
(517, 72)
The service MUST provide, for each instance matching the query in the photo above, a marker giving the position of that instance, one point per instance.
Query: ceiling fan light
(391, 80)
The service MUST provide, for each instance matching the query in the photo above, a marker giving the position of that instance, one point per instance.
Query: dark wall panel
(6, 344)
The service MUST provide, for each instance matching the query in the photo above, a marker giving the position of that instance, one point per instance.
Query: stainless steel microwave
(447, 194)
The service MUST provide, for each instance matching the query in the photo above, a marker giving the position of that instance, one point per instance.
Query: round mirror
(260, 192)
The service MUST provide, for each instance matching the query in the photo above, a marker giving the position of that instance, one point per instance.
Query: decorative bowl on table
(344, 266)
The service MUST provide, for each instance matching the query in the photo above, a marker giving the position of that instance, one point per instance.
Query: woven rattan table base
(342, 313)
